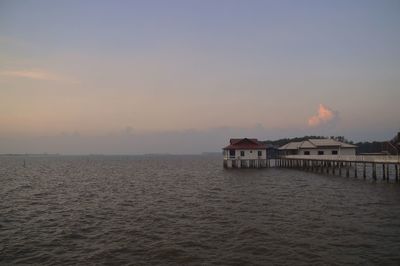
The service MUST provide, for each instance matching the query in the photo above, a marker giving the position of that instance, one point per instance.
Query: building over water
(245, 153)
(318, 147)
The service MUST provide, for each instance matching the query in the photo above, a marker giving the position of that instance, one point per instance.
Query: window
(334, 152)
(232, 153)
(306, 152)
(259, 153)
(241, 153)
(251, 151)
(320, 152)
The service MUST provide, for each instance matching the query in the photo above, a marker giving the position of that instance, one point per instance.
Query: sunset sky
(184, 76)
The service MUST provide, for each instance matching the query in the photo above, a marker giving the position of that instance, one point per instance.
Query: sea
(189, 210)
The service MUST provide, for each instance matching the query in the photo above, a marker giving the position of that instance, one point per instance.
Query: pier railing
(348, 158)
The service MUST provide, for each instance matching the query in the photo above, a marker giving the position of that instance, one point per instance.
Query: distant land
(30, 154)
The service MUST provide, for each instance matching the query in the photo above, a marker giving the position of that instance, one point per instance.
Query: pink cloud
(324, 115)
(30, 74)
(36, 74)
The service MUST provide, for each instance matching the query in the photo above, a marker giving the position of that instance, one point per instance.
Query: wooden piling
(374, 171)
(397, 172)
(383, 172)
(347, 170)
(355, 170)
(364, 171)
(387, 172)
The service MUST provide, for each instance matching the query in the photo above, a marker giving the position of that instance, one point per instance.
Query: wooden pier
(379, 167)
(238, 163)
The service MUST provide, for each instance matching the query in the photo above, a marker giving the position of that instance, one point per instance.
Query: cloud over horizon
(34, 74)
(324, 116)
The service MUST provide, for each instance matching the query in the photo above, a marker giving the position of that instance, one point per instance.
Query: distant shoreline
(30, 154)
(144, 154)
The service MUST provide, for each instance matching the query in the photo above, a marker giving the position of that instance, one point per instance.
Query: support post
(355, 170)
(397, 172)
(387, 173)
(383, 171)
(374, 171)
(364, 171)
(334, 168)
(347, 170)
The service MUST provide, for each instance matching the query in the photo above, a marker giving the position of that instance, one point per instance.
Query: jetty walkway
(385, 166)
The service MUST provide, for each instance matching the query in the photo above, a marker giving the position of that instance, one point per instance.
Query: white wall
(248, 154)
(251, 154)
(348, 151)
(328, 151)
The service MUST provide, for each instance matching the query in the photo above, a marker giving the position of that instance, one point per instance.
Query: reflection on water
(189, 210)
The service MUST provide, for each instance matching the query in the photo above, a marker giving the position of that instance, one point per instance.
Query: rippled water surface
(188, 210)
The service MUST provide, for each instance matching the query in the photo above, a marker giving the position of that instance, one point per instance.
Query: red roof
(245, 144)
(234, 141)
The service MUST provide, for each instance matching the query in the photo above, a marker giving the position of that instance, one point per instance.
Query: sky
(133, 77)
